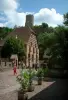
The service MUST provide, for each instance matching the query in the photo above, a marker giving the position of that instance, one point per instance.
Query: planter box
(31, 88)
(22, 96)
(40, 81)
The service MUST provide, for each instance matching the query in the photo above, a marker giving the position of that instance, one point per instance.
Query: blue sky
(61, 6)
(48, 11)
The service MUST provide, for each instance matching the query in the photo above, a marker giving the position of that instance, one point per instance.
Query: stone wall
(32, 53)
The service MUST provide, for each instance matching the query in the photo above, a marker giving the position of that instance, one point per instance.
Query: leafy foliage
(59, 51)
(45, 71)
(45, 40)
(43, 28)
(4, 32)
(31, 74)
(13, 46)
(66, 19)
(23, 80)
(40, 73)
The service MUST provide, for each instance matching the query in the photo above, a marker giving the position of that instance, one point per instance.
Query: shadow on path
(57, 91)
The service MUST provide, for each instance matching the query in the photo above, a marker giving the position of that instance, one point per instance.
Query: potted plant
(31, 75)
(23, 80)
(46, 73)
(40, 76)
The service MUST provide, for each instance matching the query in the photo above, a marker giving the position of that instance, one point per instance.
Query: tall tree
(4, 31)
(13, 46)
(66, 19)
(44, 25)
(45, 40)
(41, 28)
(59, 51)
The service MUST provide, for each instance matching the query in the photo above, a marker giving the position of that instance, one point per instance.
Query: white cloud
(10, 10)
(49, 16)
(1, 24)
(14, 17)
(8, 5)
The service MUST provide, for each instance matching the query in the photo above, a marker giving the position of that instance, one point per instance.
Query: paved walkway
(7, 79)
(55, 89)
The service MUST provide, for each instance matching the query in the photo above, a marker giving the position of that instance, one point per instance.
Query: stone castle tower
(29, 20)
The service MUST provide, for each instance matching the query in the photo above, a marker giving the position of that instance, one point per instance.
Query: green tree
(45, 40)
(50, 30)
(44, 25)
(4, 31)
(13, 46)
(66, 19)
(41, 28)
(59, 51)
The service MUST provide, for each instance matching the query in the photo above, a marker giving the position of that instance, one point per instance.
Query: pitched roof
(23, 33)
